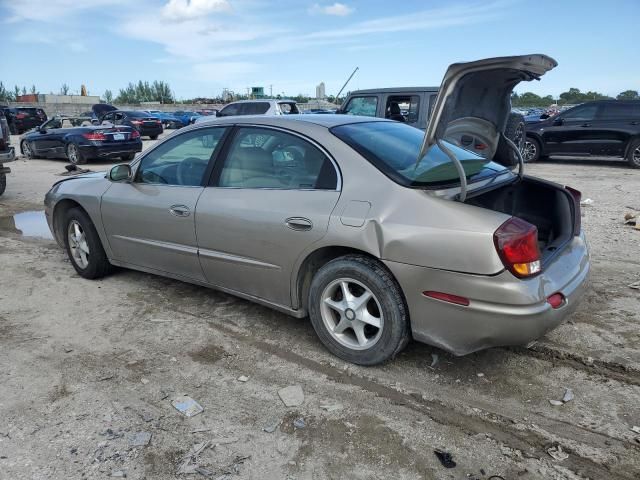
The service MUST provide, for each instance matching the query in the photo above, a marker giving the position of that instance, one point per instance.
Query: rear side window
(365, 106)
(254, 108)
(265, 158)
(288, 108)
(230, 110)
(620, 111)
(403, 108)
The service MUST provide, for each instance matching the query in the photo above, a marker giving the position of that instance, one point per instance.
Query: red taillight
(480, 146)
(577, 221)
(94, 136)
(556, 300)
(447, 297)
(134, 134)
(158, 122)
(517, 244)
(20, 116)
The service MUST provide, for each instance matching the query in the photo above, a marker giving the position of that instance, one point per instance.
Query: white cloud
(337, 9)
(49, 10)
(180, 10)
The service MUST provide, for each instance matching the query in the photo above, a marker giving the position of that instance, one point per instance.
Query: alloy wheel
(351, 313)
(519, 137)
(78, 244)
(529, 151)
(26, 148)
(72, 153)
(636, 155)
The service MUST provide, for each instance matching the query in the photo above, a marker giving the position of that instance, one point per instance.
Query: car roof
(395, 90)
(264, 100)
(328, 121)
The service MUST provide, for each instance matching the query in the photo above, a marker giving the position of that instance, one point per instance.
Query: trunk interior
(547, 206)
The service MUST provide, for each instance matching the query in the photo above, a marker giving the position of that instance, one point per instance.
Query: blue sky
(202, 46)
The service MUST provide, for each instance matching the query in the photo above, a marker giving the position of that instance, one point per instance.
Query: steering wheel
(190, 171)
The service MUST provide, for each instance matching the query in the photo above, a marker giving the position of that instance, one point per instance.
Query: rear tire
(531, 151)
(363, 330)
(3, 182)
(153, 137)
(75, 155)
(633, 157)
(83, 245)
(12, 129)
(128, 158)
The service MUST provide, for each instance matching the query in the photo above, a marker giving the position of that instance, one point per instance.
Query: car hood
(101, 108)
(479, 93)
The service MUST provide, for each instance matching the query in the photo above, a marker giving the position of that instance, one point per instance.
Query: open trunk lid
(101, 108)
(474, 101)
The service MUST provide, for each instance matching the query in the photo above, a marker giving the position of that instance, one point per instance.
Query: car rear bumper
(150, 131)
(502, 310)
(8, 155)
(110, 151)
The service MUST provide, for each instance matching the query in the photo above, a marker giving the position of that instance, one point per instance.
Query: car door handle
(634, 123)
(299, 223)
(179, 210)
(585, 125)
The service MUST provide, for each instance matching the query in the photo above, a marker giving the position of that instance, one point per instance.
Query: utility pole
(271, 91)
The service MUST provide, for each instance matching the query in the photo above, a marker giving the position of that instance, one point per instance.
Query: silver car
(375, 230)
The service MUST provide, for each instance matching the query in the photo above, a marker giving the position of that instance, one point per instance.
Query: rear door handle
(179, 210)
(585, 125)
(299, 223)
(634, 123)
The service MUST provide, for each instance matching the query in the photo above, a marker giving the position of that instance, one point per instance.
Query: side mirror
(121, 173)
(544, 116)
(558, 121)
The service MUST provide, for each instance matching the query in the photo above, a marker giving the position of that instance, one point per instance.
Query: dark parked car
(21, 119)
(608, 128)
(58, 138)
(145, 123)
(7, 153)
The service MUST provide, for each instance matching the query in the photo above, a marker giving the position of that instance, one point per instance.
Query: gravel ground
(89, 364)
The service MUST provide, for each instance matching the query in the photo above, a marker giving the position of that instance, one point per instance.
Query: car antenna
(345, 83)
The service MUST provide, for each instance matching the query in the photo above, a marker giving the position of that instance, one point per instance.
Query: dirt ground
(87, 365)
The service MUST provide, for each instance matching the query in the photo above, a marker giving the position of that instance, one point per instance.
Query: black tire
(373, 275)
(514, 131)
(153, 137)
(128, 157)
(98, 264)
(3, 182)
(74, 155)
(633, 157)
(12, 129)
(531, 152)
(27, 150)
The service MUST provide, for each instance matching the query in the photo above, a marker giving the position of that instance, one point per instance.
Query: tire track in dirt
(532, 444)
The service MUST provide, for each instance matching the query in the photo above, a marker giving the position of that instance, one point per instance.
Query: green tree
(24, 90)
(16, 92)
(64, 89)
(33, 90)
(108, 96)
(5, 95)
(628, 95)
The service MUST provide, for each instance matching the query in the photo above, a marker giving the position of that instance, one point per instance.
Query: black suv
(21, 119)
(609, 128)
(7, 153)
(145, 123)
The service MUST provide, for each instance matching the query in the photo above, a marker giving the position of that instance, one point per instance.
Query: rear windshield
(136, 114)
(393, 148)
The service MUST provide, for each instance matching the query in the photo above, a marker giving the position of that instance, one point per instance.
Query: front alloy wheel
(530, 151)
(27, 150)
(78, 245)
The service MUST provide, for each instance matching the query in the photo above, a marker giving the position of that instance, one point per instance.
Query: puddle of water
(28, 224)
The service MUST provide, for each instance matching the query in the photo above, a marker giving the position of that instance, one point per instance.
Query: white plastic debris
(140, 439)
(243, 378)
(291, 396)
(557, 453)
(635, 429)
(586, 202)
(187, 405)
(568, 395)
(434, 359)
(331, 407)
(556, 403)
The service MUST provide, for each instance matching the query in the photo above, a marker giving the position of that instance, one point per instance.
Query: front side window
(265, 158)
(393, 148)
(181, 160)
(230, 110)
(365, 106)
(587, 112)
(403, 108)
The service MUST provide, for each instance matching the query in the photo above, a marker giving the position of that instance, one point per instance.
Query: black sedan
(58, 138)
(146, 124)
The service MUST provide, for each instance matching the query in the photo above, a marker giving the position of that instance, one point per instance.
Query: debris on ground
(292, 396)
(201, 430)
(243, 378)
(445, 458)
(119, 474)
(73, 170)
(480, 375)
(568, 395)
(586, 202)
(635, 285)
(144, 381)
(632, 220)
(434, 359)
(223, 441)
(557, 453)
(187, 405)
(299, 423)
(635, 429)
(140, 439)
(556, 403)
(331, 407)
(189, 461)
(271, 427)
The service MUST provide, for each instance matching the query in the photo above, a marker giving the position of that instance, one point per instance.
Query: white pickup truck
(7, 152)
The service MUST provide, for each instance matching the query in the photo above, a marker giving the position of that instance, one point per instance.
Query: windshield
(393, 148)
